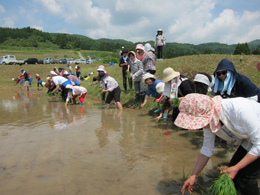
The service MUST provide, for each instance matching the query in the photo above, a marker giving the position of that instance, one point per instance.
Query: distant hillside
(29, 37)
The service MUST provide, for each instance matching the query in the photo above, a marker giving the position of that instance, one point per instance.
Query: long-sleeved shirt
(137, 69)
(159, 40)
(149, 61)
(241, 119)
(109, 83)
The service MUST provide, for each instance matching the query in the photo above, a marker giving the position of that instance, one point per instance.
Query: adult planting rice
(230, 119)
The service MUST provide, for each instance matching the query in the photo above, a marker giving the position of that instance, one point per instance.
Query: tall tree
(62, 40)
(242, 49)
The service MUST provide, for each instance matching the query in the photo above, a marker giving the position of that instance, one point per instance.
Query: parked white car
(11, 59)
(47, 60)
(71, 61)
(81, 61)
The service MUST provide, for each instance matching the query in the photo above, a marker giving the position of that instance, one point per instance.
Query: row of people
(233, 114)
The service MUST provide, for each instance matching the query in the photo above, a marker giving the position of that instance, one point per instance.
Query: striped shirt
(137, 69)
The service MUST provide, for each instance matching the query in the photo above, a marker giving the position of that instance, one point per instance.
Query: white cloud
(182, 21)
(6, 20)
(37, 27)
(2, 9)
(229, 27)
(52, 6)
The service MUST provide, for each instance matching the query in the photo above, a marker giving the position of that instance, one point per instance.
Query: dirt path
(80, 55)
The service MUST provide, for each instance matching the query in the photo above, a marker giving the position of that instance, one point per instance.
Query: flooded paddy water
(48, 149)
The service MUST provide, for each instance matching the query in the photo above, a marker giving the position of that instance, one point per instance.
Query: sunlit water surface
(48, 149)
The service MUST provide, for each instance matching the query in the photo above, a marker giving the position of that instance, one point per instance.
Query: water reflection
(47, 148)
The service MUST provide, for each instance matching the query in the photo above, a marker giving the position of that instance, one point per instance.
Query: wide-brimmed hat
(37, 75)
(139, 46)
(198, 111)
(53, 73)
(201, 78)
(160, 87)
(169, 74)
(48, 78)
(148, 47)
(148, 76)
(159, 30)
(101, 68)
(131, 52)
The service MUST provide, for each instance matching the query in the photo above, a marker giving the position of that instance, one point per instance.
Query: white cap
(160, 87)
(53, 73)
(201, 78)
(69, 86)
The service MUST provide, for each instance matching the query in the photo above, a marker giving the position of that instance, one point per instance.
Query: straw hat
(101, 68)
(37, 75)
(48, 78)
(131, 52)
(148, 76)
(169, 74)
(160, 87)
(198, 111)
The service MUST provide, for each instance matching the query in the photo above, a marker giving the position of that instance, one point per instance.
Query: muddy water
(48, 149)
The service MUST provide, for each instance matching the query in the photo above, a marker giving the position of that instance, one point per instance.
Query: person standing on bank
(126, 69)
(159, 43)
(232, 119)
(137, 74)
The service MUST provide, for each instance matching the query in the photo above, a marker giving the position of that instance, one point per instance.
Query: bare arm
(57, 87)
(145, 100)
(232, 171)
(200, 164)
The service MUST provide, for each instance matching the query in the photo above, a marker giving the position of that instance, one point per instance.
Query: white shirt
(78, 90)
(241, 119)
(70, 69)
(58, 80)
(109, 83)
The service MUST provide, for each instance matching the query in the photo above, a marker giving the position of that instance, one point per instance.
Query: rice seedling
(223, 186)
(176, 102)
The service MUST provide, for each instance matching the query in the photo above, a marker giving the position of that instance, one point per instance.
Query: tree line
(30, 37)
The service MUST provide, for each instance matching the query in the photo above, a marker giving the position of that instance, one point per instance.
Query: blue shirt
(152, 89)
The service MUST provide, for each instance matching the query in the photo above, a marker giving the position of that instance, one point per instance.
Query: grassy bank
(187, 65)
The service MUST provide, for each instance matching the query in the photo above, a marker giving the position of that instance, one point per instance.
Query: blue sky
(185, 21)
